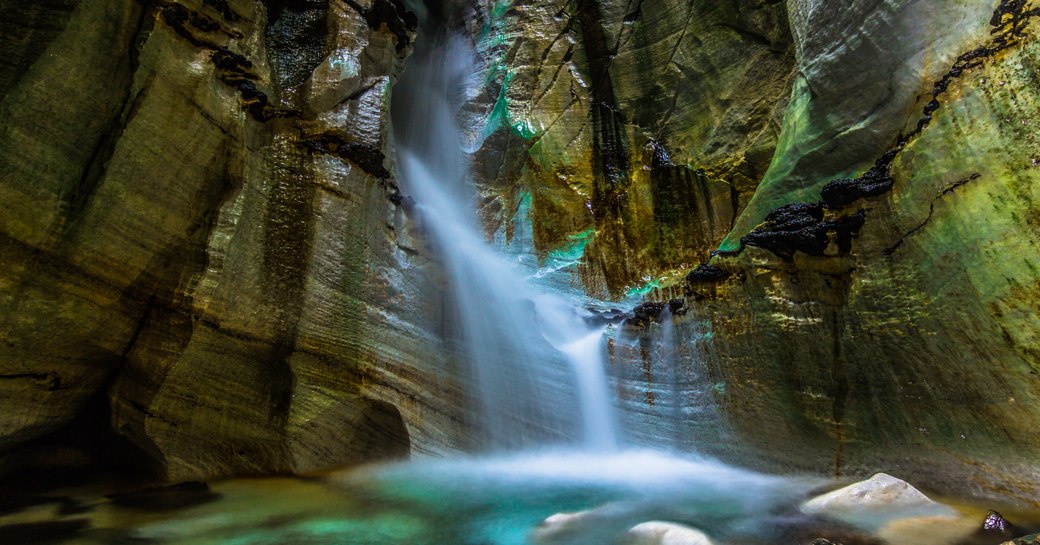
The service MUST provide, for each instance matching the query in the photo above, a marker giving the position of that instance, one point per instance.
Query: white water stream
(539, 368)
(514, 335)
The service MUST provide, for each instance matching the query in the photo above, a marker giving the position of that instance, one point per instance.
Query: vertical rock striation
(864, 171)
(198, 223)
(915, 268)
(647, 122)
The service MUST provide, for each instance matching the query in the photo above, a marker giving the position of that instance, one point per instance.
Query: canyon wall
(205, 252)
(208, 262)
(839, 194)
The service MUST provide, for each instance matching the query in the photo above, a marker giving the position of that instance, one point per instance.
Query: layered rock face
(916, 267)
(199, 228)
(867, 171)
(646, 124)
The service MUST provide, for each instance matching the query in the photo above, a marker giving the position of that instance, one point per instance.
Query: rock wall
(206, 255)
(200, 224)
(647, 124)
(885, 322)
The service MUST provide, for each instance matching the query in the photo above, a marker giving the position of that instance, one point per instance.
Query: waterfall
(523, 345)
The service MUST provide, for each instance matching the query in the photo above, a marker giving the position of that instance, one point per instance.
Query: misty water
(520, 343)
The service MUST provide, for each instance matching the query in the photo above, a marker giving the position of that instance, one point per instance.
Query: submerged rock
(167, 498)
(666, 533)
(596, 524)
(1032, 539)
(936, 530)
(559, 526)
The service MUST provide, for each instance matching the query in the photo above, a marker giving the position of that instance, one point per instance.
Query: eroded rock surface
(200, 226)
(647, 122)
(197, 224)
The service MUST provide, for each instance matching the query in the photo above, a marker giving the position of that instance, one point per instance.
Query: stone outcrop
(198, 231)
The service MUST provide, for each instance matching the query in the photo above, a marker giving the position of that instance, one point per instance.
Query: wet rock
(873, 502)
(603, 317)
(666, 533)
(996, 523)
(706, 274)
(802, 227)
(651, 311)
(935, 530)
(30, 533)
(367, 157)
(1032, 539)
(166, 498)
(840, 193)
(790, 228)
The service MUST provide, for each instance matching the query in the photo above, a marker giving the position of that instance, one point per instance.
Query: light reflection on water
(466, 501)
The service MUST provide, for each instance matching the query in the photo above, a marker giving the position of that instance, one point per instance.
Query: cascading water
(522, 344)
(539, 368)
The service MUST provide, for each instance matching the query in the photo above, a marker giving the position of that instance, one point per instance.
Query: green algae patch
(569, 255)
(644, 289)
(378, 530)
(576, 249)
(500, 114)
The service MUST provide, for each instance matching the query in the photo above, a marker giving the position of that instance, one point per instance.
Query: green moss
(524, 129)
(573, 251)
(643, 290)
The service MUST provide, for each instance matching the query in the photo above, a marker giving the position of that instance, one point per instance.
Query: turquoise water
(471, 501)
(468, 501)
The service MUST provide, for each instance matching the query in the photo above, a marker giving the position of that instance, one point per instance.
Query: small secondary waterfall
(523, 345)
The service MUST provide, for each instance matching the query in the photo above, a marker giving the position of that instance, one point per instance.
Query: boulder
(872, 503)
(666, 533)
(596, 525)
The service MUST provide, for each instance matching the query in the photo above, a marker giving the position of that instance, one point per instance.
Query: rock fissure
(50, 381)
(367, 157)
(78, 198)
(931, 211)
